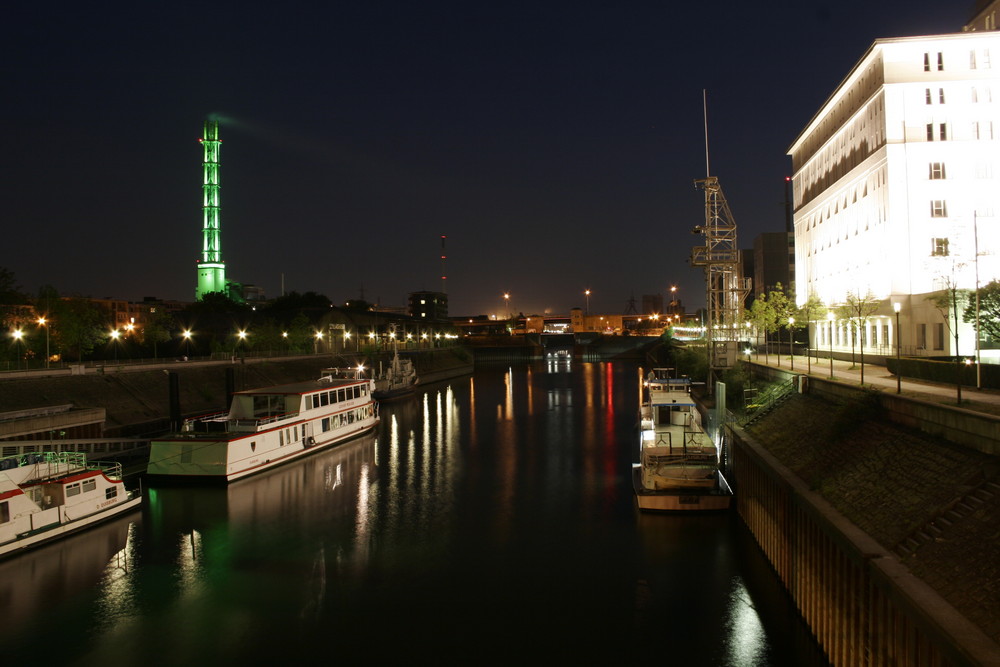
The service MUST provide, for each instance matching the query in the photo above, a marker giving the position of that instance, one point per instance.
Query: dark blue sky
(555, 143)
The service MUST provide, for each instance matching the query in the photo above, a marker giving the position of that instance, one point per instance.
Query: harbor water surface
(489, 519)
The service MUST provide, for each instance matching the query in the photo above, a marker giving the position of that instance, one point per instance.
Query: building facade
(896, 189)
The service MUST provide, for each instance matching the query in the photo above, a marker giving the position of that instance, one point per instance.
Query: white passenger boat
(47, 495)
(265, 428)
(678, 468)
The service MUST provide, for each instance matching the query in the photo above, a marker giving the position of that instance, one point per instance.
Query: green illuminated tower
(211, 268)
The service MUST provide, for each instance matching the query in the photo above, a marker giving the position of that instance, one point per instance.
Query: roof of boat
(302, 387)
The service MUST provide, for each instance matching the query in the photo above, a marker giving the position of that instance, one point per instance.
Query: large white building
(896, 184)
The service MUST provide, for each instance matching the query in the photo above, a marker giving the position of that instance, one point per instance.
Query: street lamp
(506, 301)
(319, 337)
(791, 343)
(18, 334)
(114, 338)
(186, 342)
(42, 322)
(240, 336)
(896, 306)
(829, 318)
(347, 338)
(586, 293)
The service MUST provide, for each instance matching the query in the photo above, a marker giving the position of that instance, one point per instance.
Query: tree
(79, 326)
(989, 310)
(948, 301)
(811, 310)
(158, 327)
(783, 306)
(762, 317)
(858, 310)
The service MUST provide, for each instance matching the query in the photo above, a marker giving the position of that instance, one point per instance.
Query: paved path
(879, 377)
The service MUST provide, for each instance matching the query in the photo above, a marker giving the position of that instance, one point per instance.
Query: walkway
(879, 377)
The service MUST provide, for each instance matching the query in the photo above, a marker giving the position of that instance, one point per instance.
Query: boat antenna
(704, 112)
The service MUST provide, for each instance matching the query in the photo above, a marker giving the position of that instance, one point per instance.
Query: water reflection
(489, 519)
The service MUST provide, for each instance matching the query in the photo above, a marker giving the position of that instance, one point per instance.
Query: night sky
(554, 143)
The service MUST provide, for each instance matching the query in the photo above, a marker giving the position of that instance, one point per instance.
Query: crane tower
(726, 288)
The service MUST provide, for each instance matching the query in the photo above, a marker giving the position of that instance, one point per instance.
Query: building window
(937, 171)
(940, 61)
(940, 95)
(927, 96)
(927, 62)
(939, 209)
(939, 336)
(939, 247)
(922, 336)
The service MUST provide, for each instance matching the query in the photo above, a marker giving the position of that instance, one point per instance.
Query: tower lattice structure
(211, 268)
(726, 288)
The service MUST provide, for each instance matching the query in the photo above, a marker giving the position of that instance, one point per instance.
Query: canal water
(488, 520)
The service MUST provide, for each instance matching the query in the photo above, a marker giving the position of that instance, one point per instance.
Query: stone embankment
(932, 504)
(138, 402)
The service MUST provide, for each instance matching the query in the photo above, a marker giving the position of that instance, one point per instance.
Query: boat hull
(716, 498)
(57, 531)
(223, 473)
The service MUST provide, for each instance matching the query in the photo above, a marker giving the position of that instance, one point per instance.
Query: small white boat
(267, 427)
(48, 495)
(678, 468)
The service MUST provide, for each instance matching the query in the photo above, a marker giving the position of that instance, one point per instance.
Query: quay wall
(864, 606)
(137, 402)
(974, 430)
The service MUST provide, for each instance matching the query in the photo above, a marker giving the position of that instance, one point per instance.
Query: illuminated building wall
(211, 268)
(895, 180)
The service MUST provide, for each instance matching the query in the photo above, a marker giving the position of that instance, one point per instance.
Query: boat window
(4, 512)
(342, 395)
(89, 485)
(281, 438)
(326, 424)
(324, 398)
(111, 492)
(295, 432)
(73, 489)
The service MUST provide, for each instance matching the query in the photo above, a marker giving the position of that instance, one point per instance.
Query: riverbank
(821, 476)
(137, 402)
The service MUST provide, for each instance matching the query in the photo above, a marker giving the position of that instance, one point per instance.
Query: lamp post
(791, 343)
(586, 293)
(240, 336)
(899, 378)
(114, 342)
(673, 299)
(186, 343)
(829, 318)
(316, 341)
(42, 322)
(506, 304)
(18, 334)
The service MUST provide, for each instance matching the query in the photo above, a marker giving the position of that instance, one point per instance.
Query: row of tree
(777, 310)
(72, 328)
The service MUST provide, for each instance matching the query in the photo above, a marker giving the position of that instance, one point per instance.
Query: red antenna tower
(444, 276)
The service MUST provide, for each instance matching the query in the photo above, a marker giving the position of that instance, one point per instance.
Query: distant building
(773, 262)
(896, 186)
(429, 306)
(984, 16)
(652, 304)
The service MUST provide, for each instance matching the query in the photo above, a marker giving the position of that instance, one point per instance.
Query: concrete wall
(863, 605)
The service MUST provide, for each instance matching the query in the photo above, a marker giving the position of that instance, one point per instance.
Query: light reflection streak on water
(530, 385)
(746, 642)
(472, 412)
(425, 449)
(117, 601)
(190, 552)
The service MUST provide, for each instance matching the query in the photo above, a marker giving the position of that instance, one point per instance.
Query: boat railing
(58, 463)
